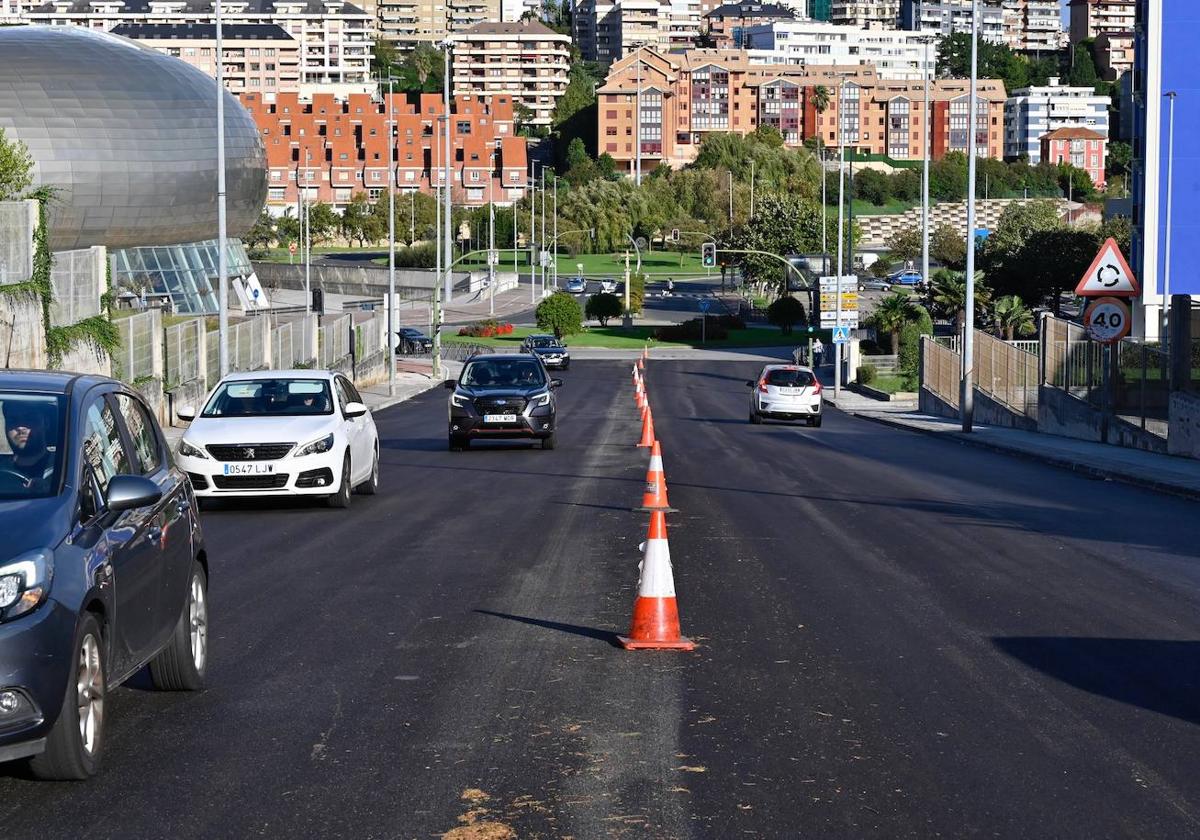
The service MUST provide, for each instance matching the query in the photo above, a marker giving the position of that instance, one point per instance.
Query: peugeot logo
(501, 402)
(248, 452)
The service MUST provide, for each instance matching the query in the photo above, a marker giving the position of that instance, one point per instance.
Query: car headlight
(190, 451)
(25, 582)
(540, 400)
(316, 447)
(459, 401)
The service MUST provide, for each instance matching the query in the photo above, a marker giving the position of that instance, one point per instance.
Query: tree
(905, 185)
(323, 221)
(16, 168)
(602, 306)
(1083, 67)
(559, 313)
(421, 71)
(820, 98)
(906, 244)
(358, 221)
(949, 295)
(873, 186)
(892, 314)
(948, 247)
(785, 313)
(769, 136)
(1118, 159)
(782, 224)
(579, 94)
(1013, 317)
(262, 234)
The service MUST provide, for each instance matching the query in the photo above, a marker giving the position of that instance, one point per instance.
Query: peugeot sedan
(284, 432)
(785, 392)
(103, 568)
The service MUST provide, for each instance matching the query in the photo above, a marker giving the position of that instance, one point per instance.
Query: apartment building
(1033, 25)
(1114, 54)
(332, 147)
(1033, 112)
(605, 31)
(685, 96)
(945, 17)
(408, 23)
(527, 60)
(894, 53)
(818, 10)
(728, 23)
(1092, 18)
(256, 56)
(1080, 147)
(335, 38)
(864, 13)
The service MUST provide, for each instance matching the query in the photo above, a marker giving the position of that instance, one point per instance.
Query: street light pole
(435, 312)
(837, 289)
(966, 399)
(637, 120)
(447, 46)
(222, 256)
(533, 232)
(927, 117)
(391, 308)
(751, 188)
(492, 237)
(541, 257)
(1164, 337)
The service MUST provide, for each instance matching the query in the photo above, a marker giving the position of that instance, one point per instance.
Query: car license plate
(499, 418)
(789, 392)
(248, 469)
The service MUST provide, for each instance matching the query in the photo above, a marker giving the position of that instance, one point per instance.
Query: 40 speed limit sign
(1107, 320)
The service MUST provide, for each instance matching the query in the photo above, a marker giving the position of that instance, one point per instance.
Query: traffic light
(674, 234)
(708, 254)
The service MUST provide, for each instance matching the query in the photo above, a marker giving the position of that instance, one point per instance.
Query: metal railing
(181, 351)
(333, 341)
(282, 349)
(247, 348)
(135, 358)
(1006, 373)
(941, 370)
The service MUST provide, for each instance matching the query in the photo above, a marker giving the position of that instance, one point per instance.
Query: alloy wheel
(198, 621)
(89, 692)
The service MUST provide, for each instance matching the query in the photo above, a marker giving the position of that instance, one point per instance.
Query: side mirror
(450, 384)
(126, 492)
(186, 413)
(556, 383)
(354, 409)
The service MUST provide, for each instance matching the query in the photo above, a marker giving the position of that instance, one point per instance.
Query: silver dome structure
(126, 136)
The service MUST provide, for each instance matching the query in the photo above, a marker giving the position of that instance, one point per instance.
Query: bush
(713, 330)
(785, 313)
(602, 306)
(560, 314)
(489, 328)
(866, 374)
(909, 355)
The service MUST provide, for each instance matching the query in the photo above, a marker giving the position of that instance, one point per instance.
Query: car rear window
(789, 378)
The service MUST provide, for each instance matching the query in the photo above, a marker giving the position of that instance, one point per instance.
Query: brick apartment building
(1081, 147)
(684, 96)
(333, 147)
(728, 24)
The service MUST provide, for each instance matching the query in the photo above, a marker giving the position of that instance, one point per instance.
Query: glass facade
(188, 273)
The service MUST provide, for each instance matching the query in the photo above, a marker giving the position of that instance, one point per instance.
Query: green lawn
(616, 338)
(863, 208)
(888, 383)
(655, 264)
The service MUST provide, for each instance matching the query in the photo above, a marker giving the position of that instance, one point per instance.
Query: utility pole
(751, 188)
(837, 348)
(966, 399)
(542, 255)
(447, 46)
(824, 225)
(492, 258)
(637, 121)
(1164, 337)
(412, 217)
(533, 232)
(731, 199)
(222, 256)
(927, 119)
(554, 247)
(435, 312)
(391, 307)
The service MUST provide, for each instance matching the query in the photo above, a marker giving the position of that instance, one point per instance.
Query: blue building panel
(1181, 73)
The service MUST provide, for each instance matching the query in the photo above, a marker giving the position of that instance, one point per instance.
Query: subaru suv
(499, 396)
(549, 349)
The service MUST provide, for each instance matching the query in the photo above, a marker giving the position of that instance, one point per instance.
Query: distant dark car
(501, 396)
(549, 349)
(103, 568)
(411, 341)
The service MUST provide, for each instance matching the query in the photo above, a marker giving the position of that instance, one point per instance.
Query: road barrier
(654, 498)
(655, 624)
(647, 440)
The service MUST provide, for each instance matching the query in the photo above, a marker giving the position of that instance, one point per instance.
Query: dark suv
(502, 396)
(549, 349)
(102, 565)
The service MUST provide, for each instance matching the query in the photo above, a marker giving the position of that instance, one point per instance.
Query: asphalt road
(899, 637)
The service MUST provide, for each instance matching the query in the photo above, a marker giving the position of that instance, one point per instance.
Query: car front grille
(500, 405)
(249, 451)
(270, 481)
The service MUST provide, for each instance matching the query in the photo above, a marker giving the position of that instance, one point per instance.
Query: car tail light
(762, 384)
(816, 386)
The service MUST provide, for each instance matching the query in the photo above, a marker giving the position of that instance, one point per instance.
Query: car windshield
(789, 377)
(31, 452)
(517, 372)
(543, 342)
(270, 398)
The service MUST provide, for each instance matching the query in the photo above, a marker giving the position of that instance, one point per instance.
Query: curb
(1062, 462)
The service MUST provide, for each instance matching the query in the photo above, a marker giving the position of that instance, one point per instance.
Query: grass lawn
(281, 255)
(616, 338)
(888, 383)
(657, 264)
(864, 208)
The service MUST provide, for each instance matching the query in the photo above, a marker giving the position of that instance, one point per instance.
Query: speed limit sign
(1107, 320)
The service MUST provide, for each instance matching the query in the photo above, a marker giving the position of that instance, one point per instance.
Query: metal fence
(282, 348)
(1006, 373)
(333, 341)
(18, 220)
(135, 358)
(369, 336)
(181, 351)
(247, 347)
(76, 278)
(455, 352)
(941, 370)
(1072, 361)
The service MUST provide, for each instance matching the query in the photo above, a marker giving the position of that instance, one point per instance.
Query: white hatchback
(786, 392)
(277, 432)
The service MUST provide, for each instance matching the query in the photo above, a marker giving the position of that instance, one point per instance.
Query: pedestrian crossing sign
(841, 335)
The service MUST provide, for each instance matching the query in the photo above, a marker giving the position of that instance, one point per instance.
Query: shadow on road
(1156, 674)
(573, 629)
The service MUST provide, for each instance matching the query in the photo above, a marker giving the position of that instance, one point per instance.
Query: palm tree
(893, 313)
(1013, 317)
(820, 98)
(949, 295)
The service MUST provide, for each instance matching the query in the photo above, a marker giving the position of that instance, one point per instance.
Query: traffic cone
(655, 624)
(654, 498)
(647, 428)
(641, 362)
(640, 398)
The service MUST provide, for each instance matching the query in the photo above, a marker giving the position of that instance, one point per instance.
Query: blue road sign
(841, 335)
(704, 304)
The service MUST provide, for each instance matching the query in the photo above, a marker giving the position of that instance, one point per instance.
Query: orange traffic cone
(654, 498)
(641, 362)
(647, 428)
(639, 394)
(655, 623)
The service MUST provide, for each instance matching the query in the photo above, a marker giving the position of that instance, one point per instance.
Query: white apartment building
(335, 38)
(1034, 25)
(606, 31)
(865, 13)
(512, 11)
(527, 60)
(945, 17)
(894, 53)
(1032, 112)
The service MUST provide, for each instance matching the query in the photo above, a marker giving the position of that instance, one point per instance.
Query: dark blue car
(103, 569)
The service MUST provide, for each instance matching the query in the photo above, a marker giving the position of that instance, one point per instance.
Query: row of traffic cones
(655, 623)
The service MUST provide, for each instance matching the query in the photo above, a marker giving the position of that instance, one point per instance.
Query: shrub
(489, 328)
(785, 313)
(560, 313)
(713, 330)
(602, 306)
(866, 374)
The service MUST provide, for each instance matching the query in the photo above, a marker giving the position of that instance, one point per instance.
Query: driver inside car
(25, 433)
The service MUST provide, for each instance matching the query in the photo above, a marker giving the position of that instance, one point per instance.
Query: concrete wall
(1184, 436)
(22, 332)
(878, 229)
(366, 281)
(1061, 414)
(988, 412)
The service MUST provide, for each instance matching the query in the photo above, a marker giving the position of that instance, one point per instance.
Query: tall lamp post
(966, 399)
(926, 134)
(1164, 338)
(222, 256)
(841, 246)
(391, 308)
(447, 46)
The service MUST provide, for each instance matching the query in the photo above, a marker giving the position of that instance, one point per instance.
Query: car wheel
(76, 743)
(815, 422)
(341, 499)
(183, 663)
(371, 486)
(755, 417)
(549, 442)
(458, 443)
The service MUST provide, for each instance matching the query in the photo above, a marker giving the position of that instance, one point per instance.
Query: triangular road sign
(1109, 274)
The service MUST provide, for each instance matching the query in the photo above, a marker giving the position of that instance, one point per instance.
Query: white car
(786, 392)
(608, 286)
(271, 433)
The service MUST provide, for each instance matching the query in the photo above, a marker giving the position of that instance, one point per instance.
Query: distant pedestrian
(818, 351)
